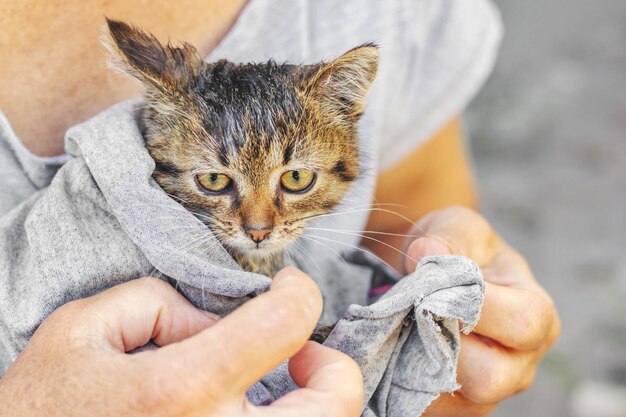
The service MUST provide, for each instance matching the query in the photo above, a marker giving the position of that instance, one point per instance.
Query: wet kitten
(253, 150)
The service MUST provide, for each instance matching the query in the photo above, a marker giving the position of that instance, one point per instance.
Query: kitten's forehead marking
(240, 102)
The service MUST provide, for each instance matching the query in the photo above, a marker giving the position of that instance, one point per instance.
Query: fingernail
(428, 246)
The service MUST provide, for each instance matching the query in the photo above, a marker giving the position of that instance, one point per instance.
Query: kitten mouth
(264, 246)
(260, 249)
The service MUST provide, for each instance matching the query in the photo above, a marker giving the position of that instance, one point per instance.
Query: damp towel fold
(103, 220)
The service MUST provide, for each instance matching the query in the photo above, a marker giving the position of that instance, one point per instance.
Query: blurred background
(549, 140)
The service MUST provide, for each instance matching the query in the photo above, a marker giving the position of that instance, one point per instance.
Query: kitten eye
(214, 182)
(297, 181)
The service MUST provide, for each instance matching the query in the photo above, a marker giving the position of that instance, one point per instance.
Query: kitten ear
(142, 55)
(342, 85)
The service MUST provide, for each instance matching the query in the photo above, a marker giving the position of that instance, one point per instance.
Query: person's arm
(518, 320)
(76, 363)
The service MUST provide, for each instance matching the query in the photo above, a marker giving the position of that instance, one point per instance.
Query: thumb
(241, 348)
(422, 247)
(461, 231)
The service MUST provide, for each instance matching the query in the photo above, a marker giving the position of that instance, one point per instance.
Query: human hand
(518, 321)
(76, 365)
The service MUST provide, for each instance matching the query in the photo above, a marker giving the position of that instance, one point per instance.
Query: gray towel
(103, 220)
(406, 343)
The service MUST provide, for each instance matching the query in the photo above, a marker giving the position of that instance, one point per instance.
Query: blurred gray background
(549, 141)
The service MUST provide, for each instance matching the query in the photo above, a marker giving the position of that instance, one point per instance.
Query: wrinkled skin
(76, 365)
(518, 323)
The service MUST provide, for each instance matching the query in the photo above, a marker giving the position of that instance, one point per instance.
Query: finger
(422, 247)
(131, 314)
(245, 345)
(516, 317)
(331, 383)
(461, 230)
(454, 405)
(489, 373)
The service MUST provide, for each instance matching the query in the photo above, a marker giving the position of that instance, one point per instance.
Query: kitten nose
(258, 233)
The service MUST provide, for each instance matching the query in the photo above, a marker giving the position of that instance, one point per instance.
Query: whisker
(176, 217)
(199, 243)
(191, 229)
(337, 213)
(175, 197)
(191, 244)
(374, 232)
(372, 239)
(304, 252)
(355, 247)
(152, 219)
(214, 250)
(180, 209)
(206, 216)
(382, 204)
(332, 250)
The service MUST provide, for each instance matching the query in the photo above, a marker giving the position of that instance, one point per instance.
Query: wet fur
(251, 122)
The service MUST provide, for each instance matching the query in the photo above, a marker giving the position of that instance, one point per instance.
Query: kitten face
(253, 150)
